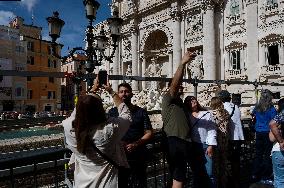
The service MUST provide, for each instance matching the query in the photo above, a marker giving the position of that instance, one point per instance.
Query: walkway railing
(49, 166)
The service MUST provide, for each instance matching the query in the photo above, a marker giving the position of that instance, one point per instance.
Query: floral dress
(221, 169)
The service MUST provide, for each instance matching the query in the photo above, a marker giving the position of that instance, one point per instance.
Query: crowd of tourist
(109, 148)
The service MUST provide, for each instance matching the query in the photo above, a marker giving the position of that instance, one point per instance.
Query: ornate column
(143, 70)
(252, 41)
(227, 61)
(209, 43)
(176, 38)
(134, 52)
(170, 72)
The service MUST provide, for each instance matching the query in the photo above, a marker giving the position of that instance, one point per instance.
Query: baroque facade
(238, 40)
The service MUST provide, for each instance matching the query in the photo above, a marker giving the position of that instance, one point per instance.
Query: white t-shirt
(204, 131)
(236, 129)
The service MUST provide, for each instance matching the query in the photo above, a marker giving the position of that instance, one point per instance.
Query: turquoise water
(21, 133)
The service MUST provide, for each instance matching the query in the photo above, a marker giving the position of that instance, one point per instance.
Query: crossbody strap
(233, 111)
(199, 119)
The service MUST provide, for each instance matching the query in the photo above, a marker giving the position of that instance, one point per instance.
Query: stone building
(41, 93)
(13, 55)
(235, 40)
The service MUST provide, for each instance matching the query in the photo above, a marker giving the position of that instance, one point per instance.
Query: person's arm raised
(117, 101)
(176, 81)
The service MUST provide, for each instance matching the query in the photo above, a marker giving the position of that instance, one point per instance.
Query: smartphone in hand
(102, 76)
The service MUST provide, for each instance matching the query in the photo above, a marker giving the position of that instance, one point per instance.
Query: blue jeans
(202, 167)
(278, 168)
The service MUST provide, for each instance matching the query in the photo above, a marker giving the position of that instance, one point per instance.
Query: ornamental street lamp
(95, 45)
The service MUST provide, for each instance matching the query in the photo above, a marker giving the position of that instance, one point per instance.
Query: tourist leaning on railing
(95, 141)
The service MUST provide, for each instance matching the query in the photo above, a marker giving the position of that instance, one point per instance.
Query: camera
(102, 76)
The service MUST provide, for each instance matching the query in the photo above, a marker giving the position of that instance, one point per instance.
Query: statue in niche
(195, 68)
(154, 69)
(128, 70)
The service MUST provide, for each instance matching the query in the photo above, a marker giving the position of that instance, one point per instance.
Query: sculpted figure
(154, 69)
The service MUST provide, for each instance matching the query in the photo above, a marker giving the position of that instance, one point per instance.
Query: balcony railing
(235, 74)
(272, 70)
(49, 167)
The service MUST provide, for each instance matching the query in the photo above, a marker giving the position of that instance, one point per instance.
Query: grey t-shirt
(174, 117)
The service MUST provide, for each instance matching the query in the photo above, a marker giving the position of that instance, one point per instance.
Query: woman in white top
(91, 125)
(203, 135)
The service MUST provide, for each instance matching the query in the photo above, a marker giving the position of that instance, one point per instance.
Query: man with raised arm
(176, 125)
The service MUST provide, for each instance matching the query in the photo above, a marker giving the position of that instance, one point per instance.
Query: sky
(71, 11)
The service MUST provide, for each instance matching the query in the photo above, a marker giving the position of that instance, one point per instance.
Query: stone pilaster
(134, 51)
(170, 66)
(252, 41)
(176, 17)
(143, 70)
(209, 47)
(262, 55)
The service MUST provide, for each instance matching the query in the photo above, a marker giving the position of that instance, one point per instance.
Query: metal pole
(195, 84)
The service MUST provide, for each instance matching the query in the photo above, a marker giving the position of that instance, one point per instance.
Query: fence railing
(49, 166)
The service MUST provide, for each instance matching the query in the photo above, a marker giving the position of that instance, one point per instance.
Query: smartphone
(102, 77)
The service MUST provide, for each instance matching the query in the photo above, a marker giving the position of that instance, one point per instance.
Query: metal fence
(48, 167)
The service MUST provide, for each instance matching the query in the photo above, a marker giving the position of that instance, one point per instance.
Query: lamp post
(95, 45)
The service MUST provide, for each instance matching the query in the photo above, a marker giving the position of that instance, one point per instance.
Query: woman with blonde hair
(222, 121)
(95, 141)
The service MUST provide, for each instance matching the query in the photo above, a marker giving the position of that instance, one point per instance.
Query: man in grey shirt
(176, 125)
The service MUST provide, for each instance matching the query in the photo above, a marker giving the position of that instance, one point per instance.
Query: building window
(19, 92)
(20, 49)
(30, 46)
(49, 63)
(31, 60)
(30, 94)
(51, 79)
(48, 50)
(29, 78)
(273, 55)
(235, 7)
(51, 94)
(235, 60)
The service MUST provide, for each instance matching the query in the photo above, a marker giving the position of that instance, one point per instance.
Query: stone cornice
(248, 2)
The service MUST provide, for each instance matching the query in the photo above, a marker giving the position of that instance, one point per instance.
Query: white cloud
(6, 17)
(29, 4)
